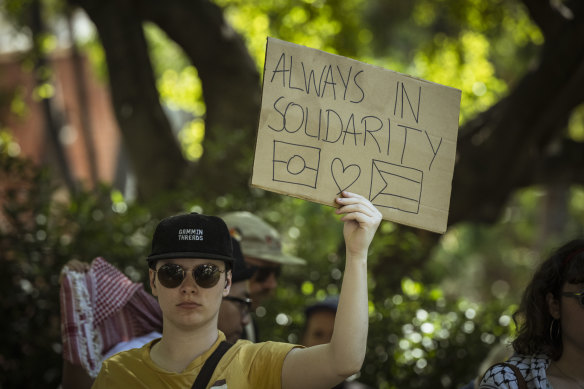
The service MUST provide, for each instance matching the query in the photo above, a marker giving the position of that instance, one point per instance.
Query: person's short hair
(533, 320)
(329, 304)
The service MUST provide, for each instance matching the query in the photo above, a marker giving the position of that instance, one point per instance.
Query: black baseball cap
(191, 235)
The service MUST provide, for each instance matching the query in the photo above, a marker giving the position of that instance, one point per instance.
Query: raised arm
(324, 366)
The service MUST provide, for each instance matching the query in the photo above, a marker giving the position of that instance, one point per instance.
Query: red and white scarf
(101, 308)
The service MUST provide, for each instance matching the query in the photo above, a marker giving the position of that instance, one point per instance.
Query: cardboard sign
(330, 123)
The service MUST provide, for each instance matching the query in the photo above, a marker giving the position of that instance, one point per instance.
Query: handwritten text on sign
(330, 123)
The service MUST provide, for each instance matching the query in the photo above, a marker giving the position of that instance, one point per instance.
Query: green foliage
(334, 26)
(417, 337)
(576, 125)
(93, 49)
(39, 235)
(577, 208)
(467, 44)
(15, 10)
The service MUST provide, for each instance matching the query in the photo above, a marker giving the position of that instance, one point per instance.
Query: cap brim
(191, 255)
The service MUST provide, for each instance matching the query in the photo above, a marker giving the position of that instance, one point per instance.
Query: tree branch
(231, 87)
(502, 149)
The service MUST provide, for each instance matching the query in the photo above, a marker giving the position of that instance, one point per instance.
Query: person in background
(102, 311)
(262, 249)
(123, 316)
(234, 312)
(319, 322)
(190, 273)
(549, 348)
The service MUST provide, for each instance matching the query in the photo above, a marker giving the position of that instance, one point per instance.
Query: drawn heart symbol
(343, 175)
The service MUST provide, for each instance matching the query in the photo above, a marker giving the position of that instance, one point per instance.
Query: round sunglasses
(262, 273)
(244, 304)
(172, 275)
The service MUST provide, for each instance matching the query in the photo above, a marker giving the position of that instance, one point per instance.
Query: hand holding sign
(361, 220)
(330, 124)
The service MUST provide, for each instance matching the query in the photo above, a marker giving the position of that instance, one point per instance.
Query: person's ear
(227, 283)
(152, 276)
(553, 305)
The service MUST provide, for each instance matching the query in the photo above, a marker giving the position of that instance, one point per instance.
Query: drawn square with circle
(296, 164)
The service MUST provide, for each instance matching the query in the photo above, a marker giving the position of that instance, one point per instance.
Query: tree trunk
(154, 153)
(52, 119)
(84, 115)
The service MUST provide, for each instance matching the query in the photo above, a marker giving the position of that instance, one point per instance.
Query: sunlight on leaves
(424, 13)
(191, 138)
(43, 91)
(464, 64)
(182, 90)
(411, 288)
(576, 124)
(18, 105)
(307, 288)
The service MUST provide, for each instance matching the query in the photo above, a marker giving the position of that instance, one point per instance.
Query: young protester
(104, 312)
(190, 274)
(549, 348)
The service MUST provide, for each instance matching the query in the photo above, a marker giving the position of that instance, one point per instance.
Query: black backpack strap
(206, 372)
(520, 379)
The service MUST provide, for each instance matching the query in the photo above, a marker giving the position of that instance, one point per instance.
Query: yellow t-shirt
(244, 365)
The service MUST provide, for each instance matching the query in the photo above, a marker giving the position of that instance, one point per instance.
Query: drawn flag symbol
(295, 164)
(395, 186)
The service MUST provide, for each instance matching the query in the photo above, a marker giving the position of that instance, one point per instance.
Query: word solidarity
(366, 131)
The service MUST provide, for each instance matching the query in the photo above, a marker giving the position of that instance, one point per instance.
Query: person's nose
(189, 285)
